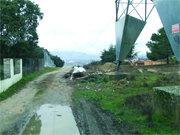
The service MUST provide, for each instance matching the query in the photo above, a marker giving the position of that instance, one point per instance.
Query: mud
(49, 88)
(24, 112)
(92, 120)
(51, 119)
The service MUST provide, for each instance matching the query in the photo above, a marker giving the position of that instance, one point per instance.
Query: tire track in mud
(91, 120)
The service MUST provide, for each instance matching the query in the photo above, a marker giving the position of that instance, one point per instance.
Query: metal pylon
(169, 12)
(130, 21)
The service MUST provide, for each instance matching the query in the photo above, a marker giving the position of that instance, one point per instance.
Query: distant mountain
(72, 58)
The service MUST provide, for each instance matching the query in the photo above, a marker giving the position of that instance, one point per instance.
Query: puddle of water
(52, 120)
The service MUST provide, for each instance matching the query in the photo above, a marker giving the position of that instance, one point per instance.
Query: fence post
(12, 67)
(21, 67)
(1, 69)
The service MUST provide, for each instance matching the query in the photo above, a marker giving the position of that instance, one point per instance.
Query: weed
(25, 79)
(130, 100)
(38, 93)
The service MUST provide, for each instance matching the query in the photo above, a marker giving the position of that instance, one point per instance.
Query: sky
(85, 26)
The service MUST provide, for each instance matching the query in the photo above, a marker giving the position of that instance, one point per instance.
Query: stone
(140, 70)
(152, 70)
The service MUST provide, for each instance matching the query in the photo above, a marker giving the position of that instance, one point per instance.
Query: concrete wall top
(172, 90)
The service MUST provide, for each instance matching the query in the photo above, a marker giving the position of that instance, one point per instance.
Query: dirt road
(49, 88)
(45, 107)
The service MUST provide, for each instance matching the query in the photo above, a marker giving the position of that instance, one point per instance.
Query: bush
(93, 63)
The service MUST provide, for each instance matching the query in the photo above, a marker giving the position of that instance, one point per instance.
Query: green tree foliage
(18, 23)
(110, 54)
(57, 61)
(26, 50)
(159, 46)
(132, 53)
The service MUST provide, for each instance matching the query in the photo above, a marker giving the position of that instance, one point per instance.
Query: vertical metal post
(118, 65)
(117, 9)
(1, 68)
(145, 10)
(127, 7)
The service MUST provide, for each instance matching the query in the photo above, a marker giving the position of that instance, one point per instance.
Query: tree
(110, 54)
(159, 46)
(132, 53)
(57, 61)
(18, 23)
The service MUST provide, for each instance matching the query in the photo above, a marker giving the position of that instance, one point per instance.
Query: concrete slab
(166, 102)
(115, 75)
(172, 89)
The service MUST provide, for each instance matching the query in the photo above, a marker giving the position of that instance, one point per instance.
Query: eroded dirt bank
(91, 120)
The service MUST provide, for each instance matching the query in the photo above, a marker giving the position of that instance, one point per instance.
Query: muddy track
(49, 88)
(17, 111)
(92, 120)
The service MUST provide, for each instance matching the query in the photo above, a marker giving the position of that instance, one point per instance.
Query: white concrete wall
(5, 84)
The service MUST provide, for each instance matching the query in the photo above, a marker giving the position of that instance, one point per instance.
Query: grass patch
(25, 79)
(130, 100)
(39, 93)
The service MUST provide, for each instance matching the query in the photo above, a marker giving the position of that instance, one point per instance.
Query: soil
(53, 88)
(92, 120)
(49, 88)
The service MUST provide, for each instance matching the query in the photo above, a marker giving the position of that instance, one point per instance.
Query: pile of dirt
(108, 67)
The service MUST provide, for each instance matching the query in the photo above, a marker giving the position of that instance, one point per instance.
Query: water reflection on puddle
(52, 120)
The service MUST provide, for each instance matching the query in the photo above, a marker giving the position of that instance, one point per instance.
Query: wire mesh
(17, 66)
(6, 68)
(31, 65)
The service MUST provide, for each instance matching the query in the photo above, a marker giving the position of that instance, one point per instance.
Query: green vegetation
(57, 61)
(130, 100)
(17, 86)
(40, 92)
(159, 46)
(94, 64)
(18, 23)
(110, 54)
(19, 20)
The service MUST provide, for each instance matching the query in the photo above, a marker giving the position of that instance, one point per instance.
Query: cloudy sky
(85, 26)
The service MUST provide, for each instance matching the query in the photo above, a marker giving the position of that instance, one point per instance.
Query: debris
(152, 70)
(78, 75)
(140, 70)
(67, 75)
(78, 69)
(78, 72)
